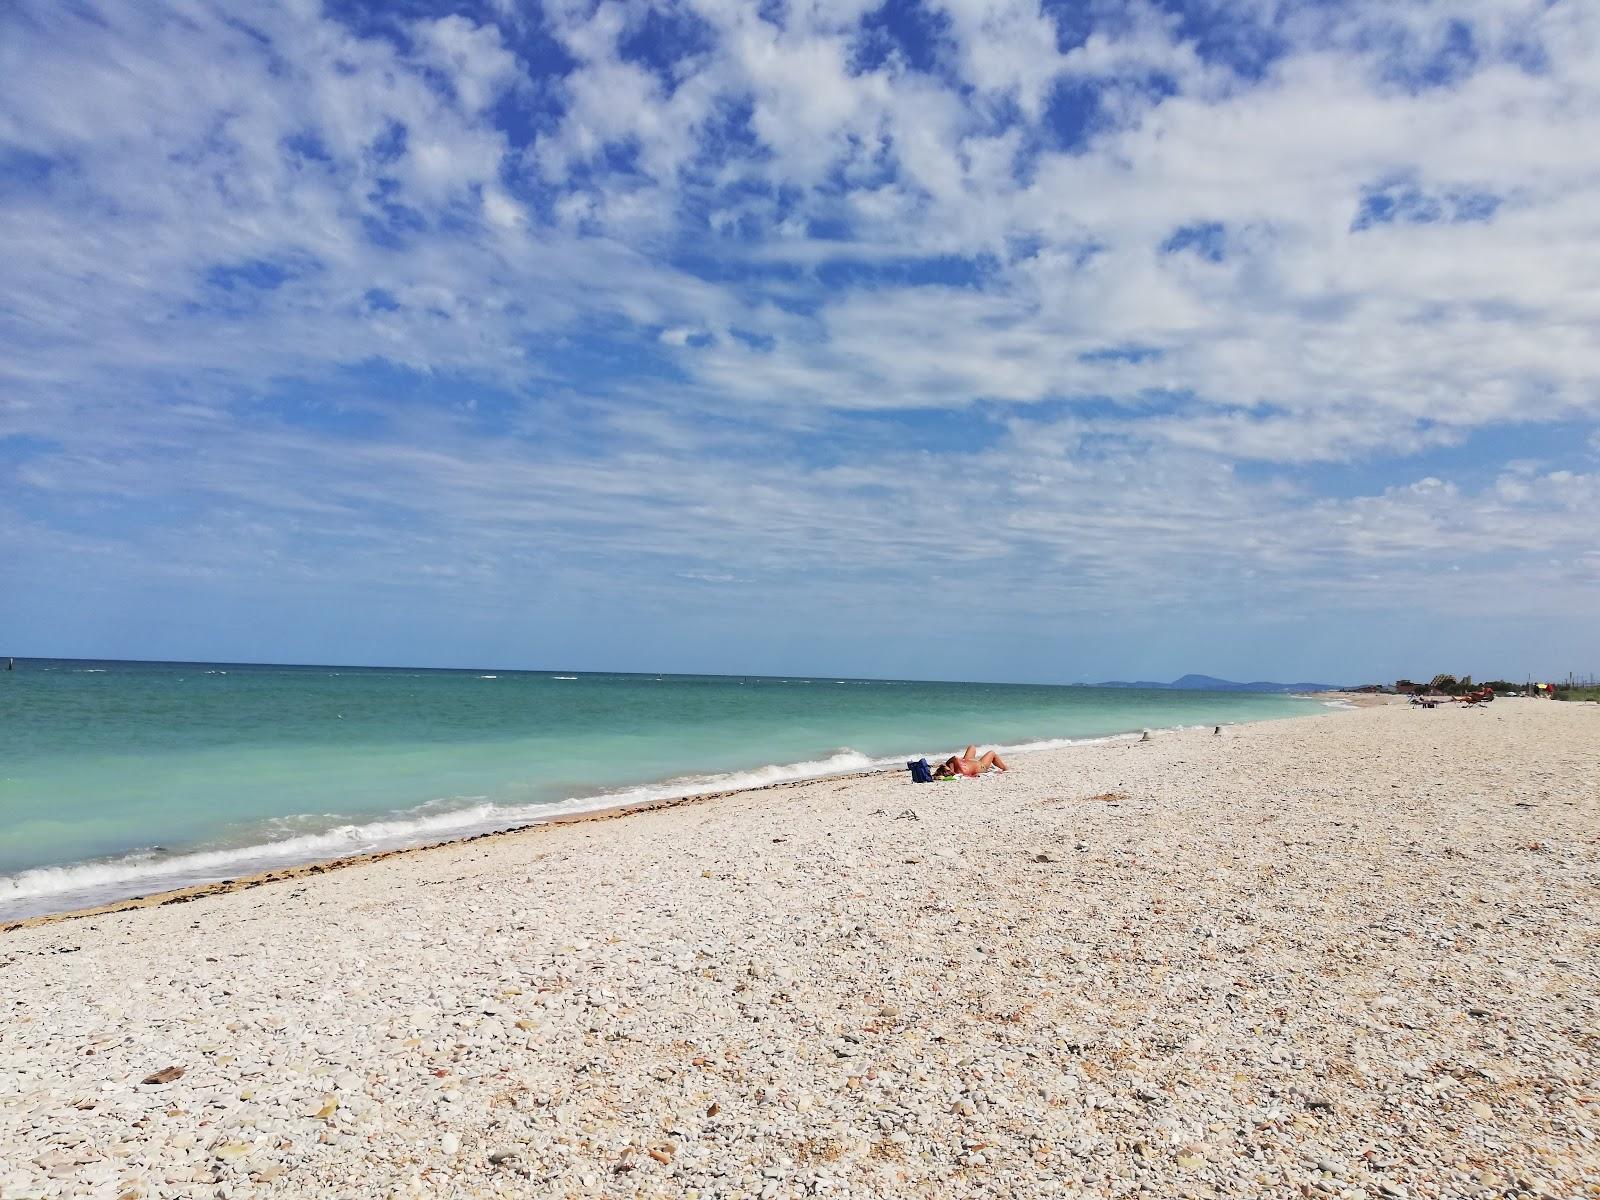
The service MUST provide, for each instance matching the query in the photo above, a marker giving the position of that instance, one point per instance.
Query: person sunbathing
(970, 763)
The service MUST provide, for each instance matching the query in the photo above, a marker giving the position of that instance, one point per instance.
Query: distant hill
(1210, 683)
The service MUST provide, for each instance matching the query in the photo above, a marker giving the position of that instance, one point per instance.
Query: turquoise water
(120, 778)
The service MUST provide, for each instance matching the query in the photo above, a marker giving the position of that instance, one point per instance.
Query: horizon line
(200, 662)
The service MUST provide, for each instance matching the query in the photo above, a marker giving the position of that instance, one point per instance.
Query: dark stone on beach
(1042, 857)
(165, 1075)
(1319, 1104)
(501, 1157)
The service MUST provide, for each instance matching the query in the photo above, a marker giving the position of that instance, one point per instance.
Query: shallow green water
(120, 778)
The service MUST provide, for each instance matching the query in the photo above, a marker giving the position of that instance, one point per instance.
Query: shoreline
(255, 879)
(1352, 955)
(318, 866)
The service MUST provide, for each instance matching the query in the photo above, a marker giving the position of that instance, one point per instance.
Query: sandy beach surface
(1350, 955)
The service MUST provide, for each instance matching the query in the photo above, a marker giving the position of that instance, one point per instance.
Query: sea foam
(84, 884)
(51, 889)
(342, 761)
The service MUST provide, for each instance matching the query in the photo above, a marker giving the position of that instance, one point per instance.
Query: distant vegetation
(1449, 685)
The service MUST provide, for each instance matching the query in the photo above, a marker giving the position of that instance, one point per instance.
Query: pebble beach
(1348, 955)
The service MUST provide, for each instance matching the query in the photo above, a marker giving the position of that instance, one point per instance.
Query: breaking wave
(80, 885)
(309, 838)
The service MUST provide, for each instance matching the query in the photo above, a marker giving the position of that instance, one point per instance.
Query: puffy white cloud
(1138, 285)
(472, 57)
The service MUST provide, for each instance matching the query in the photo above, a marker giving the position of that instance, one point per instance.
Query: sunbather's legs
(969, 762)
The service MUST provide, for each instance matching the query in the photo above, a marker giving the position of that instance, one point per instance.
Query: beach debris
(908, 814)
(165, 1075)
(1145, 736)
(1041, 857)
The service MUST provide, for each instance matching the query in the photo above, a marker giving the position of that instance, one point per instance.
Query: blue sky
(963, 340)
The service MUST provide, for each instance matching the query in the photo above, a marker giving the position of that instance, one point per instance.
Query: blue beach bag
(921, 772)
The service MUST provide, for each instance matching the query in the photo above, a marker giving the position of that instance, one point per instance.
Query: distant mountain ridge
(1210, 683)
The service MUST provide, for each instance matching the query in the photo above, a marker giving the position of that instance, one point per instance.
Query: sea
(126, 778)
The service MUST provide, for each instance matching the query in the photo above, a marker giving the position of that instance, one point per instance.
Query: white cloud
(886, 249)
(473, 57)
(502, 210)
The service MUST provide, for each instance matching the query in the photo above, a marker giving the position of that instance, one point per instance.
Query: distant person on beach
(970, 762)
